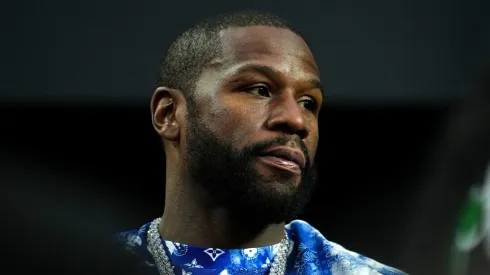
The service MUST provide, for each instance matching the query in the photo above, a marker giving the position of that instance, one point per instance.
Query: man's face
(252, 130)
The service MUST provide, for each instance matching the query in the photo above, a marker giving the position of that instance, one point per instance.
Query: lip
(283, 153)
(281, 164)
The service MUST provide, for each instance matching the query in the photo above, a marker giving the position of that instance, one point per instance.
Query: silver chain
(155, 246)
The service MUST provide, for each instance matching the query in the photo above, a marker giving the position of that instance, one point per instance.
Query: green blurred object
(472, 228)
(468, 232)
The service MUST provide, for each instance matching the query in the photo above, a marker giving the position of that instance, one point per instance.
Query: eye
(309, 104)
(259, 90)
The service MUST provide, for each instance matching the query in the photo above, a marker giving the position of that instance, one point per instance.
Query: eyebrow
(258, 69)
(316, 84)
(266, 70)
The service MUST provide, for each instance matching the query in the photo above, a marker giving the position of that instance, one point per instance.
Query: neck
(191, 218)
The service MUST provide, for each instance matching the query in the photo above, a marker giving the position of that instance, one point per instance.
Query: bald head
(192, 51)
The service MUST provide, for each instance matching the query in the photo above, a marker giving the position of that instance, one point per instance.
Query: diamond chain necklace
(155, 246)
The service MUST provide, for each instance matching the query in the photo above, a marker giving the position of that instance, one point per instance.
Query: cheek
(241, 122)
(313, 152)
(313, 144)
(224, 123)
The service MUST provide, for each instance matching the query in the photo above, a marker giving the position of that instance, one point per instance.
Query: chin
(279, 178)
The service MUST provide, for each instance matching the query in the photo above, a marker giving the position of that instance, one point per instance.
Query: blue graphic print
(309, 253)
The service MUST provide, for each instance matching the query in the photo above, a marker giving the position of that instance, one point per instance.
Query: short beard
(232, 181)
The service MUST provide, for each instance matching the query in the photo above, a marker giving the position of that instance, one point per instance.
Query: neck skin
(190, 217)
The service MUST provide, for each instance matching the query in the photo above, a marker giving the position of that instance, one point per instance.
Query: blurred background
(404, 133)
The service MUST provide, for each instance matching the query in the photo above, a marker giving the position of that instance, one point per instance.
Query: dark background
(78, 76)
(368, 165)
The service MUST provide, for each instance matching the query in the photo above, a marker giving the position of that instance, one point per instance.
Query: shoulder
(133, 238)
(135, 241)
(332, 256)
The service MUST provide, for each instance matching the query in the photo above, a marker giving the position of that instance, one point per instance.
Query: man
(237, 109)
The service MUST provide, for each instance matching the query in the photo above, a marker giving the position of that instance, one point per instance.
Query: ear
(164, 105)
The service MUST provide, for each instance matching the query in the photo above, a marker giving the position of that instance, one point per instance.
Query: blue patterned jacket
(309, 253)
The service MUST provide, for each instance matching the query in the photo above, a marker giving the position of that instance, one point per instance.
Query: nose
(288, 117)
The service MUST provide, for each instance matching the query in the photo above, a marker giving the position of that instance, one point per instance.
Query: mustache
(283, 140)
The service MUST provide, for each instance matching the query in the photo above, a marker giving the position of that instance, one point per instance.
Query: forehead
(267, 44)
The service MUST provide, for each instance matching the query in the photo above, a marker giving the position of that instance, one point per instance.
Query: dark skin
(265, 83)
